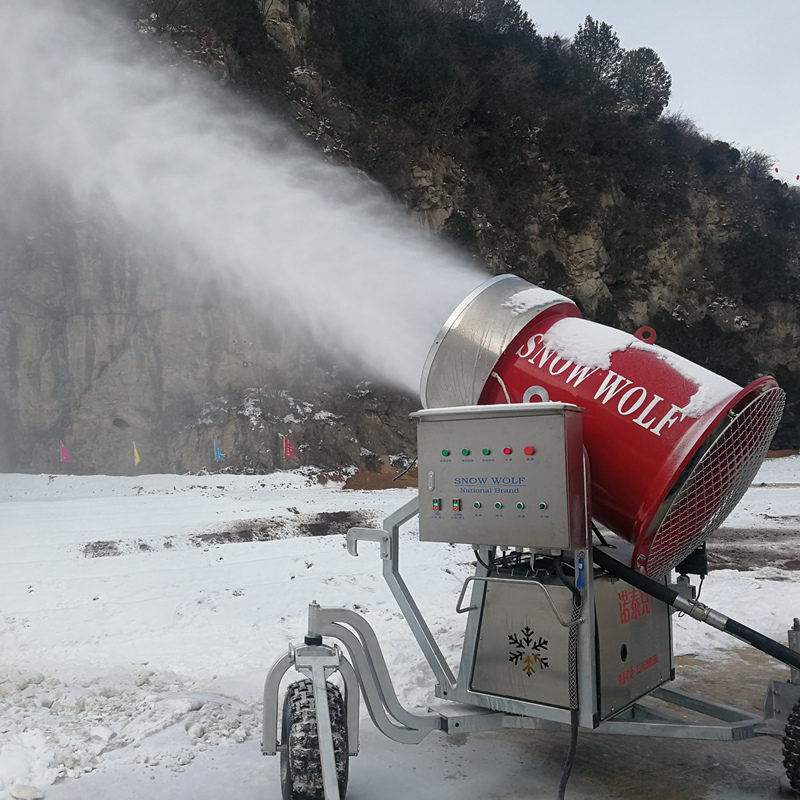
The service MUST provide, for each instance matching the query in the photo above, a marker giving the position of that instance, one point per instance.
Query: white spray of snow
(220, 188)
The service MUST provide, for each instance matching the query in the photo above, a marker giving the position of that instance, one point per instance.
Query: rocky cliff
(637, 217)
(105, 345)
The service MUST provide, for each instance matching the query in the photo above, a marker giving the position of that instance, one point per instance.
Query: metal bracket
(389, 540)
(463, 610)
(780, 700)
(355, 535)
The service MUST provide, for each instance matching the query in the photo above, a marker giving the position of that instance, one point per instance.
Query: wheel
(301, 767)
(791, 747)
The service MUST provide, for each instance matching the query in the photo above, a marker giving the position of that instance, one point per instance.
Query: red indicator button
(529, 451)
(507, 451)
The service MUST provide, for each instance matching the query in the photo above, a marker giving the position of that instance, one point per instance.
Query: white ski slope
(133, 651)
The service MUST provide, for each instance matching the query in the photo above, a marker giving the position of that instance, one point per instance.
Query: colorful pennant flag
(217, 452)
(288, 450)
(64, 453)
(136, 458)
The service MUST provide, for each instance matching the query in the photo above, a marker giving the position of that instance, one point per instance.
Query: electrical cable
(573, 667)
(573, 747)
(486, 566)
(699, 588)
(600, 536)
(502, 386)
(405, 470)
(558, 565)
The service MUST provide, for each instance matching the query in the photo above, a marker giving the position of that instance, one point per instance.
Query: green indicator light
(520, 506)
(486, 451)
(476, 504)
(542, 506)
(465, 452)
(498, 505)
(445, 453)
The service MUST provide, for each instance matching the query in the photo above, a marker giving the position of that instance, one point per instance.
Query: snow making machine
(541, 431)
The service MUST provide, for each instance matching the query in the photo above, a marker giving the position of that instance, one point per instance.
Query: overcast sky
(735, 64)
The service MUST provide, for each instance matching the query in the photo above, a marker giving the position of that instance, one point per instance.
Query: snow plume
(219, 186)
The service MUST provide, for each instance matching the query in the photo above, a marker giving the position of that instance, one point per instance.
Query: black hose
(763, 643)
(661, 592)
(634, 578)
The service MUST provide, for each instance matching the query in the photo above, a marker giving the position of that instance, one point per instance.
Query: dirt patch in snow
(326, 523)
(381, 480)
(754, 548)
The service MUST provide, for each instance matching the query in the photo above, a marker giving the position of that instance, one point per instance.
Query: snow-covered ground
(138, 618)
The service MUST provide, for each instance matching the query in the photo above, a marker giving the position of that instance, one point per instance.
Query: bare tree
(756, 164)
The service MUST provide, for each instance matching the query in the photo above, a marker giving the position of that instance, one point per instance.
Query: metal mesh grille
(717, 483)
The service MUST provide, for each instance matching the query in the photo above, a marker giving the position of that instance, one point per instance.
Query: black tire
(301, 767)
(791, 747)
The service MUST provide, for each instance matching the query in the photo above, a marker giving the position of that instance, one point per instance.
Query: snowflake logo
(527, 651)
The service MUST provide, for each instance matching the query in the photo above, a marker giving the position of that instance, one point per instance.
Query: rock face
(102, 344)
(103, 347)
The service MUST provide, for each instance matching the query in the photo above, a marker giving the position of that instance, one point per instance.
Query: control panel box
(508, 476)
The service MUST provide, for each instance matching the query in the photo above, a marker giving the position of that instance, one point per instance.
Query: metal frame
(467, 711)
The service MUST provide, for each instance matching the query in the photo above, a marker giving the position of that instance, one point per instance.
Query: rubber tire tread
(791, 747)
(301, 767)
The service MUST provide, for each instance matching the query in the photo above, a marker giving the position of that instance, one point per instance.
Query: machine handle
(355, 535)
(460, 610)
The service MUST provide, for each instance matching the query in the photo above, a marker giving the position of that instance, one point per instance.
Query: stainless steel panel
(474, 337)
(522, 650)
(467, 474)
(634, 636)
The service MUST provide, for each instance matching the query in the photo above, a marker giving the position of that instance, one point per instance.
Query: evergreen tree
(644, 81)
(598, 48)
